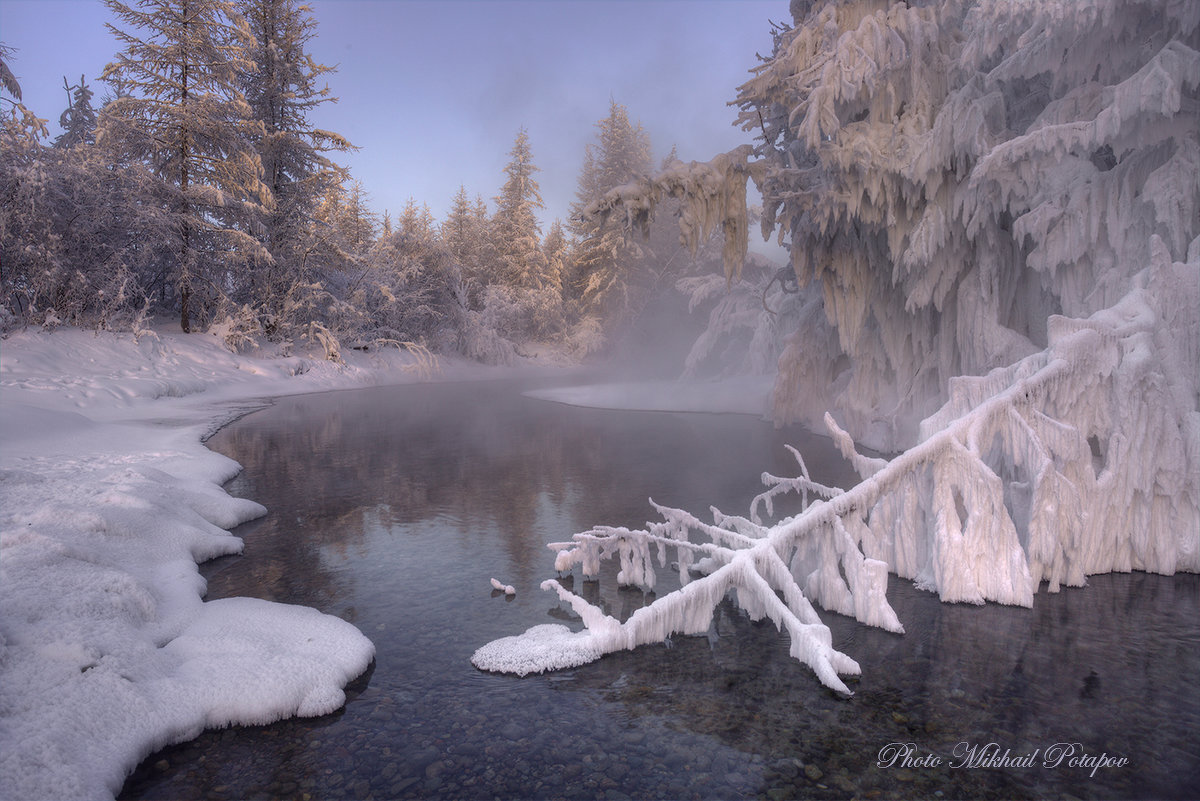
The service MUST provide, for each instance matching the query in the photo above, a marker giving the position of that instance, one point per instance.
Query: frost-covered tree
(283, 86)
(557, 250)
(517, 258)
(350, 214)
(407, 292)
(465, 234)
(78, 121)
(17, 119)
(954, 173)
(606, 259)
(80, 238)
(520, 297)
(186, 118)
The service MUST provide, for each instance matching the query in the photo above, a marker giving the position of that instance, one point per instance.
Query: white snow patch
(551, 646)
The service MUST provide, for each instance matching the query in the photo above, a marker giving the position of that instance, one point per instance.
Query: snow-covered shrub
(424, 363)
(478, 340)
(316, 332)
(236, 328)
(76, 235)
(586, 337)
(407, 292)
(523, 313)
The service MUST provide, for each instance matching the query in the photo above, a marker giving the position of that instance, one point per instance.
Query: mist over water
(394, 507)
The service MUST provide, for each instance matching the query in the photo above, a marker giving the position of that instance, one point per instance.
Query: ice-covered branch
(1009, 486)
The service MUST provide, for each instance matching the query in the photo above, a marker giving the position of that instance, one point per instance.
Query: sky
(434, 93)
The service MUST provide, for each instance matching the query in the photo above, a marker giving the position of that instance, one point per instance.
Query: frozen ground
(108, 500)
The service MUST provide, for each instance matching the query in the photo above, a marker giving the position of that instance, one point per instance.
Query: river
(394, 507)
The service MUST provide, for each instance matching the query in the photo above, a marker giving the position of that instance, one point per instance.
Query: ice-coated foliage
(954, 173)
(949, 175)
(746, 315)
(713, 195)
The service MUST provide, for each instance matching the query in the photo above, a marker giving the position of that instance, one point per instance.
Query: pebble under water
(393, 508)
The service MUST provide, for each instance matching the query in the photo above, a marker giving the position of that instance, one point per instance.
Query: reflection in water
(394, 507)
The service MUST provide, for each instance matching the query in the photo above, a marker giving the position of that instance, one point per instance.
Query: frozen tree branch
(1002, 492)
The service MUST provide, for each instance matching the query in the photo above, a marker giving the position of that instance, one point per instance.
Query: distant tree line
(199, 189)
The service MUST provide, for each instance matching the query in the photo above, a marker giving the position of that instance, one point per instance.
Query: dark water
(393, 508)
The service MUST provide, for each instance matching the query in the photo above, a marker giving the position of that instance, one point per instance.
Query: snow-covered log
(1009, 487)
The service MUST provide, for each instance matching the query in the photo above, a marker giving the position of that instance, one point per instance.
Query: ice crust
(108, 500)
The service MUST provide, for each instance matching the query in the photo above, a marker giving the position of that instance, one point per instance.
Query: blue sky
(434, 92)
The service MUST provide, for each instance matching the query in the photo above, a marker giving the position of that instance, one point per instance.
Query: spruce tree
(186, 118)
(78, 121)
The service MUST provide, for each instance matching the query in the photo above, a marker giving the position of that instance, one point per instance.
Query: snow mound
(551, 646)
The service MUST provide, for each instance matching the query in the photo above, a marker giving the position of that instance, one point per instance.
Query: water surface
(393, 508)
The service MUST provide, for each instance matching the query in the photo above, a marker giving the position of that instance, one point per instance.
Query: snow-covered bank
(108, 500)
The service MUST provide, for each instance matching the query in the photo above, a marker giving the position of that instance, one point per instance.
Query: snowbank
(108, 500)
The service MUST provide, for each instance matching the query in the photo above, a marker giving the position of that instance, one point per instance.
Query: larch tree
(515, 234)
(283, 86)
(185, 117)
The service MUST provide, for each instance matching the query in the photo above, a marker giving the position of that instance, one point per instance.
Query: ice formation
(1009, 487)
(500, 586)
